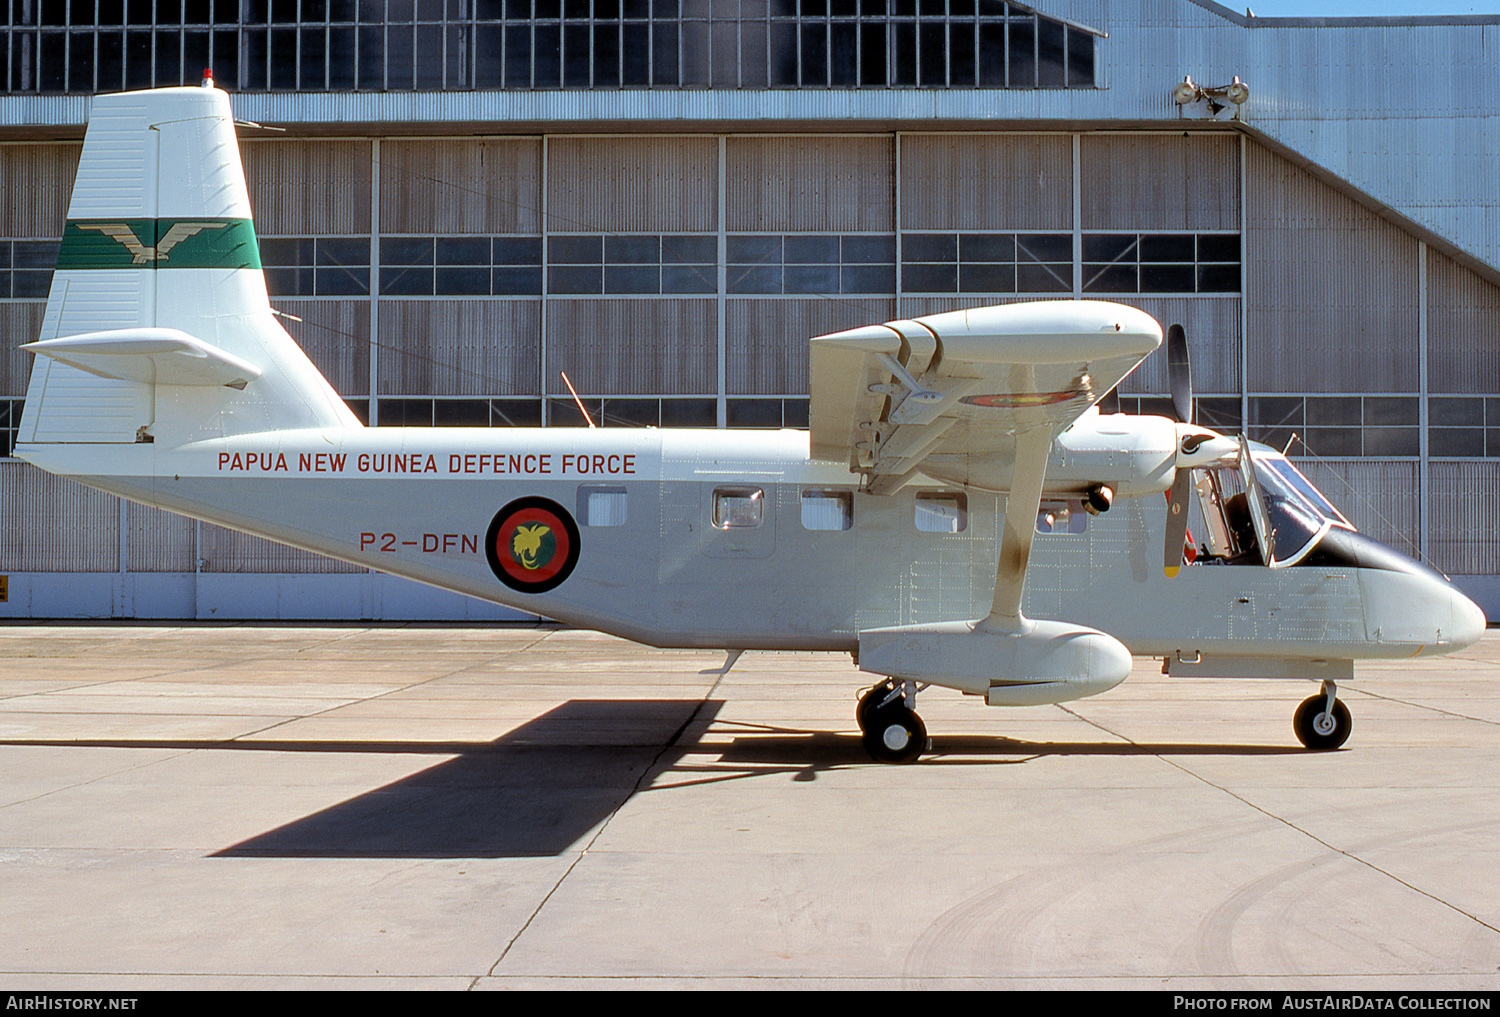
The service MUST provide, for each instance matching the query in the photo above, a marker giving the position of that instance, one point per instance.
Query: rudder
(158, 269)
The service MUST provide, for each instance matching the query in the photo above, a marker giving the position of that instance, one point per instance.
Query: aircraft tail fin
(158, 326)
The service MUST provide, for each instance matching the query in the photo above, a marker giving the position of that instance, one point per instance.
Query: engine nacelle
(1048, 662)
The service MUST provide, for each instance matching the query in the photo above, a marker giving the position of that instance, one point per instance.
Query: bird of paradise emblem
(532, 545)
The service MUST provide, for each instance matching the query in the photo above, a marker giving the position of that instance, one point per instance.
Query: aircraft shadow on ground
(540, 789)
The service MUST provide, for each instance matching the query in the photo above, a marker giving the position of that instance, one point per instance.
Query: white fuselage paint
(417, 502)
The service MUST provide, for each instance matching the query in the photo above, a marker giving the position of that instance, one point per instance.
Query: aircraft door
(1255, 497)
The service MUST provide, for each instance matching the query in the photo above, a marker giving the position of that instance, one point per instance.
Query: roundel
(532, 545)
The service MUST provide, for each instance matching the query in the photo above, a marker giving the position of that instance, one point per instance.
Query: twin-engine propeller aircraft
(943, 452)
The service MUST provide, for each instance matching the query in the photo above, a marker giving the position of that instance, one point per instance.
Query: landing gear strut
(1323, 721)
(893, 733)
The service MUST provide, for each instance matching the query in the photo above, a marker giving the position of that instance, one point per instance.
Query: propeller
(1180, 373)
(1180, 382)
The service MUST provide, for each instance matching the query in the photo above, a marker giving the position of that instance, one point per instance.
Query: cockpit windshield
(1268, 514)
(1300, 484)
(1292, 523)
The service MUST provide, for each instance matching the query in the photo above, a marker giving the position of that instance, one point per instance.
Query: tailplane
(158, 327)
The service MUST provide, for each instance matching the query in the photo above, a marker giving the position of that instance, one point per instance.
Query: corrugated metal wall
(1213, 329)
(633, 347)
(303, 187)
(38, 183)
(632, 185)
(55, 525)
(159, 541)
(1334, 299)
(766, 340)
(229, 551)
(335, 334)
(1160, 182)
(1463, 329)
(473, 185)
(459, 347)
(20, 322)
(986, 182)
(1463, 521)
(820, 184)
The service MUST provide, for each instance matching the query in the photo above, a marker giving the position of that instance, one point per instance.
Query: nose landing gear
(1322, 721)
(893, 733)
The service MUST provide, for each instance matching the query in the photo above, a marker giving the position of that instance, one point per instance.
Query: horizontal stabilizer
(155, 356)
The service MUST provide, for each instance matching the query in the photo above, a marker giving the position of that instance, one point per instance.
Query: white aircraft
(901, 529)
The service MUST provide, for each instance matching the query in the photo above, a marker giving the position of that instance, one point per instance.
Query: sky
(1360, 8)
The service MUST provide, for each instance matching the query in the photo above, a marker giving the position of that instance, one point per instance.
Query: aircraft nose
(1468, 621)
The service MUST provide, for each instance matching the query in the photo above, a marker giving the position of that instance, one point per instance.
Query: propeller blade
(1177, 522)
(1110, 402)
(1180, 373)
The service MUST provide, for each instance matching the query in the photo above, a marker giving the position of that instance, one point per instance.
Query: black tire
(1311, 723)
(895, 735)
(869, 701)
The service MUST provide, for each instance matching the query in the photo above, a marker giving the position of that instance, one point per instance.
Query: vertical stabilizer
(159, 236)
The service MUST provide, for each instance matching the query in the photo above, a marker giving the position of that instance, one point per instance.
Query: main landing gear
(1323, 721)
(893, 733)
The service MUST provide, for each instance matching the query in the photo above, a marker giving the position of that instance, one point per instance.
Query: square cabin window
(827, 510)
(942, 513)
(737, 507)
(600, 505)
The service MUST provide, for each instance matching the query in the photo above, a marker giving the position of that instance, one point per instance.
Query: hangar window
(10, 422)
(336, 45)
(1464, 426)
(827, 510)
(987, 262)
(26, 268)
(738, 507)
(1385, 426)
(587, 264)
(1161, 263)
(942, 512)
(811, 263)
(316, 266)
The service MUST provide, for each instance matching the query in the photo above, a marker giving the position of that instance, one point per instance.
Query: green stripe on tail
(203, 242)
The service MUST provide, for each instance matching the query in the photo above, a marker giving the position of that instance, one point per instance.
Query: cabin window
(942, 513)
(827, 510)
(601, 505)
(1061, 517)
(738, 507)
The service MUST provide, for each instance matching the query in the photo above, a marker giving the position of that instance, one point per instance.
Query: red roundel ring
(532, 545)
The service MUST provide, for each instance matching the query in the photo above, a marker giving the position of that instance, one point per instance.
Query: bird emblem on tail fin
(140, 253)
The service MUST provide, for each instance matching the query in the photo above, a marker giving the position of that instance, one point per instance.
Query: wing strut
(1021, 508)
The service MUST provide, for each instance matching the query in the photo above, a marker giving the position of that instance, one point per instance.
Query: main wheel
(895, 735)
(870, 702)
(1317, 728)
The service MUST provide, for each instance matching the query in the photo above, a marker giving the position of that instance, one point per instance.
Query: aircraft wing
(972, 398)
(949, 394)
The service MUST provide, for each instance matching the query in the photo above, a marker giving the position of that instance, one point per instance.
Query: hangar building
(664, 199)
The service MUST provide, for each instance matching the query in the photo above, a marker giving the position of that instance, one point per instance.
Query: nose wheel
(1322, 721)
(892, 731)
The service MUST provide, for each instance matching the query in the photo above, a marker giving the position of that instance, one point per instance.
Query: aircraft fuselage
(823, 562)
